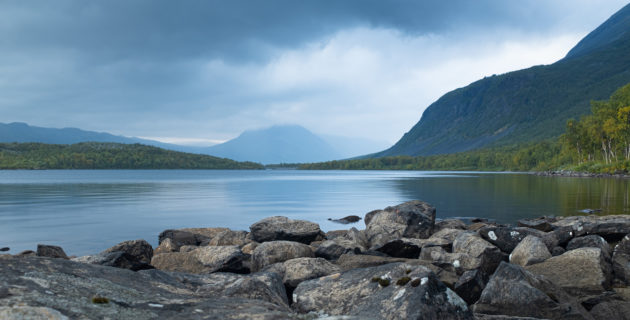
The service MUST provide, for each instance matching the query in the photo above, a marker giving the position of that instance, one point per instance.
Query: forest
(98, 155)
(598, 142)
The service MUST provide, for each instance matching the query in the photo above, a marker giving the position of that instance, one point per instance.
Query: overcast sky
(197, 71)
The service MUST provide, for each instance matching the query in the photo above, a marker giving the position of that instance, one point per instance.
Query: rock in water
(412, 219)
(139, 249)
(4, 249)
(346, 220)
(50, 251)
(283, 228)
(583, 271)
(530, 250)
(513, 291)
(392, 291)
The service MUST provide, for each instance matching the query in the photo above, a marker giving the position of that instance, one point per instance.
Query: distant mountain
(527, 105)
(277, 144)
(22, 132)
(350, 147)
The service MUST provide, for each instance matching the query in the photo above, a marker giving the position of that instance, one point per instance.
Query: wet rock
(412, 219)
(50, 251)
(513, 291)
(557, 251)
(283, 228)
(582, 271)
(202, 260)
(621, 260)
(530, 250)
(66, 286)
(507, 238)
(140, 250)
(543, 223)
(393, 291)
(333, 249)
(229, 238)
(592, 241)
(346, 220)
(474, 246)
(470, 285)
(271, 252)
(449, 224)
(116, 259)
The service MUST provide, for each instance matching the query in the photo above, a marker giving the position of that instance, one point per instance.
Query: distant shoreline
(576, 174)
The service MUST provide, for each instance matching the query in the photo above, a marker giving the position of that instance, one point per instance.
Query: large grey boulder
(530, 250)
(543, 223)
(140, 250)
(283, 228)
(229, 238)
(268, 253)
(507, 238)
(470, 285)
(412, 219)
(621, 260)
(590, 241)
(297, 270)
(612, 227)
(333, 249)
(582, 271)
(474, 246)
(393, 291)
(513, 291)
(207, 259)
(83, 291)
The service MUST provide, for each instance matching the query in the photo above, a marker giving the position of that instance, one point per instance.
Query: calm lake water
(88, 211)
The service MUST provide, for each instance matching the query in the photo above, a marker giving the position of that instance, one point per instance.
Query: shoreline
(576, 174)
(404, 264)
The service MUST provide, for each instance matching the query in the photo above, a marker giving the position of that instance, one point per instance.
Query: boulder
(621, 260)
(543, 223)
(333, 249)
(357, 236)
(412, 219)
(612, 228)
(333, 234)
(140, 250)
(583, 271)
(298, 270)
(393, 291)
(507, 238)
(271, 252)
(83, 291)
(530, 250)
(202, 260)
(449, 224)
(557, 251)
(355, 261)
(470, 285)
(346, 220)
(513, 291)
(229, 238)
(608, 310)
(590, 241)
(249, 248)
(563, 234)
(474, 246)
(402, 248)
(116, 259)
(166, 246)
(50, 251)
(283, 228)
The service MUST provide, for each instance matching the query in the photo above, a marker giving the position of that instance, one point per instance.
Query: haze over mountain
(277, 144)
(526, 105)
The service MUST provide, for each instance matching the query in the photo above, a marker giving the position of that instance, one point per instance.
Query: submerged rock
(346, 220)
(393, 291)
(283, 228)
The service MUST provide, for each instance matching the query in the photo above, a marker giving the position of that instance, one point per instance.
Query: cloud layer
(211, 69)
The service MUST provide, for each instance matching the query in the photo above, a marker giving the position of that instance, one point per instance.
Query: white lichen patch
(456, 264)
(492, 235)
(514, 233)
(424, 281)
(399, 294)
(455, 300)
(198, 310)
(580, 228)
(156, 305)
(295, 298)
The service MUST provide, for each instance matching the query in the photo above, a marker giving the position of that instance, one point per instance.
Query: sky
(201, 72)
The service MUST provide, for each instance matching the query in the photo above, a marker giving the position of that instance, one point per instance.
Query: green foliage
(95, 155)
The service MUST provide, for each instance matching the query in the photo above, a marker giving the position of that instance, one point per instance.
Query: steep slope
(278, 144)
(526, 105)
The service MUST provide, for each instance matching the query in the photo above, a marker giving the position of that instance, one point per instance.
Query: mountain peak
(615, 28)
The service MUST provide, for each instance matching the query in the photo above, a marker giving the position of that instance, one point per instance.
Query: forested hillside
(95, 155)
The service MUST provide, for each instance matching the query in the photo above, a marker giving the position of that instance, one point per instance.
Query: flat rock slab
(204, 260)
(610, 227)
(580, 272)
(68, 288)
(283, 228)
(513, 291)
(393, 291)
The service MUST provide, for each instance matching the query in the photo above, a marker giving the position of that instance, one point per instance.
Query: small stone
(99, 300)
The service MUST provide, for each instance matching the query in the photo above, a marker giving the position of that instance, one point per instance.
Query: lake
(87, 211)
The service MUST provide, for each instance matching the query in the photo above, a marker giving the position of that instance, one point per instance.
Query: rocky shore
(405, 264)
(577, 174)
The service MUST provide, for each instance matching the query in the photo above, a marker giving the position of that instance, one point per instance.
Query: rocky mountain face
(526, 105)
